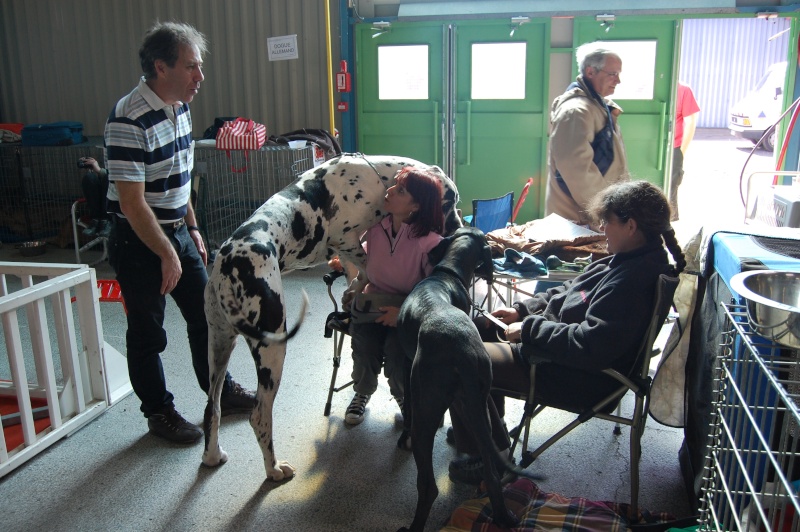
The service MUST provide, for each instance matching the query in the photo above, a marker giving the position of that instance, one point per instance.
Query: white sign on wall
(282, 48)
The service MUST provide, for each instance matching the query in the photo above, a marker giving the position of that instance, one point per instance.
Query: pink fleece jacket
(396, 264)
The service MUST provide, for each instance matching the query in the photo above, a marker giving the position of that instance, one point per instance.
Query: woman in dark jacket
(587, 324)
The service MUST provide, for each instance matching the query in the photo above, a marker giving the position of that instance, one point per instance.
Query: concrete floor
(113, 475)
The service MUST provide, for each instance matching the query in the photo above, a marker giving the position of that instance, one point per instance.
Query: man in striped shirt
(155, 246)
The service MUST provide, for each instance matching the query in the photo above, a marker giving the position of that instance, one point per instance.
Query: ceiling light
(516, 22)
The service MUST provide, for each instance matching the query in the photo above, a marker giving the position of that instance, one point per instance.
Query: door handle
(661, 132)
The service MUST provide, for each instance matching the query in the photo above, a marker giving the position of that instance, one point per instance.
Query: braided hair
(645, 203)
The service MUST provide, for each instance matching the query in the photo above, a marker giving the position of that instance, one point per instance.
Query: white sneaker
(356, 410)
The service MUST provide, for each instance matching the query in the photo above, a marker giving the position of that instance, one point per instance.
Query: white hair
(592, 55)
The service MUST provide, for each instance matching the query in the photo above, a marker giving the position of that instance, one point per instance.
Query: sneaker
(237, 400)
(467, 470)
(356, 410)
(170, 425)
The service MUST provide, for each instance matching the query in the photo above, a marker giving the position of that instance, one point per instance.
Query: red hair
(426, 189)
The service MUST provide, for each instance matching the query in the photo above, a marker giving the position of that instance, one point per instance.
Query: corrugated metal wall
(73, 59)
(721, 59)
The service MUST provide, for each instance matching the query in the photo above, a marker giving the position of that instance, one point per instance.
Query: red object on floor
(110, 292)
(13, 434)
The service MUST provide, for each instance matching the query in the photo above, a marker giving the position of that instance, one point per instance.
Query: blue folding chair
(490, 214)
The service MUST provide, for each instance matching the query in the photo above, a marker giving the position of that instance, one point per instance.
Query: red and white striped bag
(241, 134)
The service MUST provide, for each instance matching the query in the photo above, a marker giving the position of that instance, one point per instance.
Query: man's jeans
(139, 275)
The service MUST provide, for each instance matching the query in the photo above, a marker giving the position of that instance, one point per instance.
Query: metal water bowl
(773, 303)
(32, 248)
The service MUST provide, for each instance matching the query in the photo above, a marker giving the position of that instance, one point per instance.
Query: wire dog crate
(38, 187)
(225, 198)
(753, 463)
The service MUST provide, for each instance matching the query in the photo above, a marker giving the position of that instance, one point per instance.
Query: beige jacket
(575, 119)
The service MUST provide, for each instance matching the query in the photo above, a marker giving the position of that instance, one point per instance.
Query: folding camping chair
(80, 221)
(637, 380)
(337, 325)
(490, 214)
(497, 213)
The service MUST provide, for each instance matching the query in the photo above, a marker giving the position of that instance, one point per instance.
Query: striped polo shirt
(149, 141)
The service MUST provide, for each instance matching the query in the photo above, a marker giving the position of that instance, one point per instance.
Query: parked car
(751, 116)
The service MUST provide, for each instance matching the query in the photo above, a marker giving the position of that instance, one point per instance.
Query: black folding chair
(637, 380)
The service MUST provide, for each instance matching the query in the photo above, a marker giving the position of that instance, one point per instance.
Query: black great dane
(449, 364)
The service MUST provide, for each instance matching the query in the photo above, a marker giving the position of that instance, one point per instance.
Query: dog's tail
(276, 338)
(502, 462)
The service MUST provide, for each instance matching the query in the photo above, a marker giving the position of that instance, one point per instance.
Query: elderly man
(586, 149)
(155, 245)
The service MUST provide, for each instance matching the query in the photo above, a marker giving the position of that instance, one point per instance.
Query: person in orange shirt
(686, 111)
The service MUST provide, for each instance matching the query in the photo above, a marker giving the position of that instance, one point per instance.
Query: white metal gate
(72, 369)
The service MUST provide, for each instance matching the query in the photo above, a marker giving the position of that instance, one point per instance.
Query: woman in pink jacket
(397, 259)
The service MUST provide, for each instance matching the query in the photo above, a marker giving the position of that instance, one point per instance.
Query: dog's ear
(436, 255)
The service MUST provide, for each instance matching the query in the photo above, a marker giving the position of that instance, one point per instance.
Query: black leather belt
(168, 226)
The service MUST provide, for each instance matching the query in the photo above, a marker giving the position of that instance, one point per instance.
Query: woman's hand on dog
(389, 316)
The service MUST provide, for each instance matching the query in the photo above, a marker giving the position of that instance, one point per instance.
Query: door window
(403, 72)
(498, 71)
(638, 68)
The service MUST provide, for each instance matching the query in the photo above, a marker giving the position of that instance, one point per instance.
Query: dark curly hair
(163, 42)
(426, 189)
(645, 203)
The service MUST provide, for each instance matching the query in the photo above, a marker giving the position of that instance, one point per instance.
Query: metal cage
(752, 466)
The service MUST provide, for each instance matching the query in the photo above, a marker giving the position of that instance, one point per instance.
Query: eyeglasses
(612, 74)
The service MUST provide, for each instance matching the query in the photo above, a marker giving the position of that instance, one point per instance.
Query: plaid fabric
(542, 511)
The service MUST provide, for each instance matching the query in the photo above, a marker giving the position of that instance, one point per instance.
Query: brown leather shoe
(237, 400)
(171, 426)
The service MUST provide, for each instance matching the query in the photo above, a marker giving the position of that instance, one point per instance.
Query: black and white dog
(322, 214)
(449, 364)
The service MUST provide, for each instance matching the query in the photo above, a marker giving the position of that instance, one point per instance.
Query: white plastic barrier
(92, 376)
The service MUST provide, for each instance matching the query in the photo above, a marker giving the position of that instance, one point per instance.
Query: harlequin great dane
(322, 214)
(449, 364)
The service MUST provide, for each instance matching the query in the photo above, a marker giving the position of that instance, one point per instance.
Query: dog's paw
(283, 471)
(215, 458)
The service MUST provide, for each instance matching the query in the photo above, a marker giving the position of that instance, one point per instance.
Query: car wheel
(769, 142)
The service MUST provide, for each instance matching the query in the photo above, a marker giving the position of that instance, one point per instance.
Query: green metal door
(647, 48)
(400, 90)
(501, 131)
(468, 97)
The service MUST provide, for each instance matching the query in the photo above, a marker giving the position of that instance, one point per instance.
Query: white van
(751, 116)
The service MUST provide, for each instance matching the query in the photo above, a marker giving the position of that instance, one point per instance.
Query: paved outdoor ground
(710, 193)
